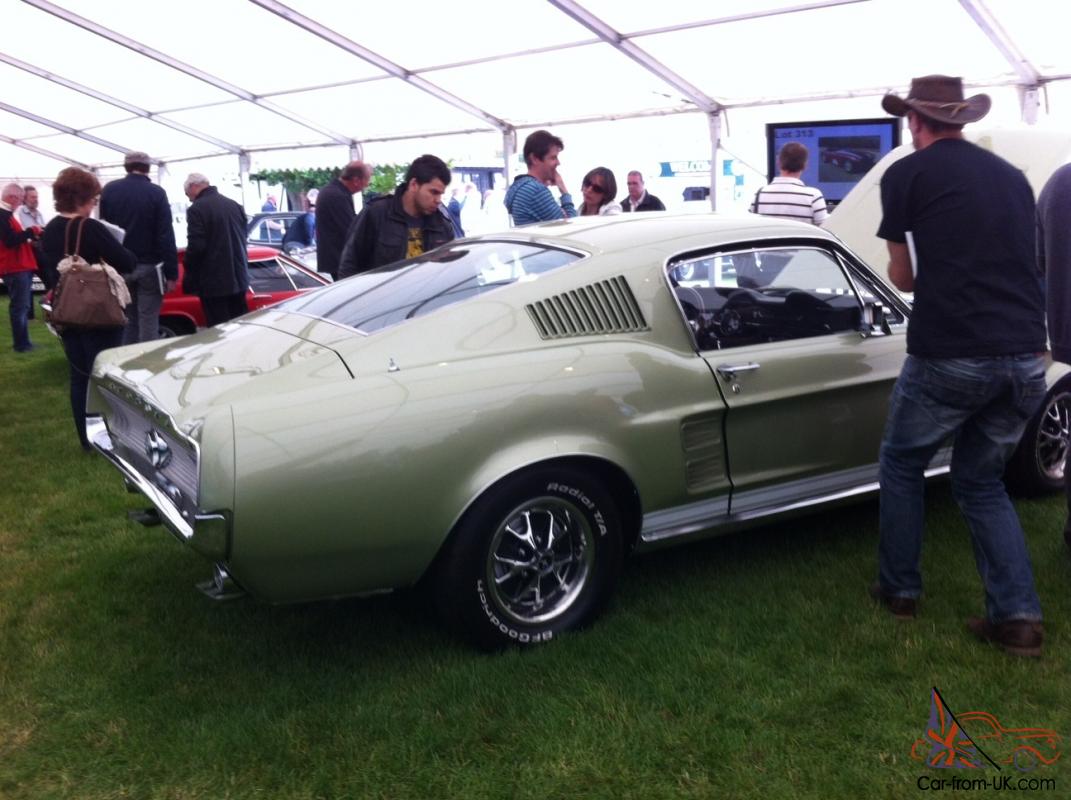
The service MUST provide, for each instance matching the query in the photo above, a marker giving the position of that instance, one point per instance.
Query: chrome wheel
(1054, 432)
(539, 560)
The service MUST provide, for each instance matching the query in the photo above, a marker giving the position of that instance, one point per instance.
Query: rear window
(409, 289)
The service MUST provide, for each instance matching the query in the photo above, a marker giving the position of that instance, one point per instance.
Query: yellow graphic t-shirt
(416, 240)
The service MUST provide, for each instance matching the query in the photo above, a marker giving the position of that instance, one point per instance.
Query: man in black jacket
(335, 214)
(217, 268)
(141, 208)
(406, 224)
(638, 199)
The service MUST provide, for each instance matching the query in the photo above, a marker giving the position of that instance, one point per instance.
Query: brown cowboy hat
(938, 97)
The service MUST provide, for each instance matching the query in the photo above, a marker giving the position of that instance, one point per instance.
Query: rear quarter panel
(352, 489)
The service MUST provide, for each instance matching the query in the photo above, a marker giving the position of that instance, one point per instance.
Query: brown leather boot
(899, 607)
(1020, 637)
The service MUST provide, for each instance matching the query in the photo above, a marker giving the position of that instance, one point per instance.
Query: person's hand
(36, 231)
(560, 182)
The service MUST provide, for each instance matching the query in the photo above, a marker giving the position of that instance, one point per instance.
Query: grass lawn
(751, 666)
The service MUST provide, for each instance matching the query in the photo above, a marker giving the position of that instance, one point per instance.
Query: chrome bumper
(207, 533)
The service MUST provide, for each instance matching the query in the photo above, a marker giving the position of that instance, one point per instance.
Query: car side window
(268, 276)
(764, 295)
(302, 280)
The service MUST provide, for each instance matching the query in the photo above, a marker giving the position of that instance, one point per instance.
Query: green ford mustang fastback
(504, 418)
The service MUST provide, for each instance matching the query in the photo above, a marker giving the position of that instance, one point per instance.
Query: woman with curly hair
(599, 189)
(76, 193)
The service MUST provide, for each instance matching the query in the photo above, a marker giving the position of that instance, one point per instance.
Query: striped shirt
(789, 198)
(528, 201)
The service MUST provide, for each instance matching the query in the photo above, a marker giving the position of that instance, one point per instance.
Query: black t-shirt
(978, 289)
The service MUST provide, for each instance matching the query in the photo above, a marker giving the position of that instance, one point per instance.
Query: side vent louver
(604, 307)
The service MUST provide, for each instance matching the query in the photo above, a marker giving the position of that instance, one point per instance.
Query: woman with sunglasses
(599, 190)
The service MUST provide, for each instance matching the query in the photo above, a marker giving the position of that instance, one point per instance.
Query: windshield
(407, 289)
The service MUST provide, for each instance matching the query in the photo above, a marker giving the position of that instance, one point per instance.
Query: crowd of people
(961, 228)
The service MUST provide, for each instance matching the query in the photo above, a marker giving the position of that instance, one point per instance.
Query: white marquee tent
(242, 85)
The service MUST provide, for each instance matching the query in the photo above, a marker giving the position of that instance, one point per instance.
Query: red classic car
(273, 276)
(850, 161)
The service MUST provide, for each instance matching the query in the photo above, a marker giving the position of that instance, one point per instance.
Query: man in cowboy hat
(959, 223)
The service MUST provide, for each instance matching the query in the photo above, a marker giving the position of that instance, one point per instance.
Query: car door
(804, 348)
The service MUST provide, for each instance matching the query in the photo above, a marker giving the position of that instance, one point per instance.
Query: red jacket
(16, 252)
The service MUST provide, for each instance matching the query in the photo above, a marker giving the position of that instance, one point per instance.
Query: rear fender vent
(604, 307)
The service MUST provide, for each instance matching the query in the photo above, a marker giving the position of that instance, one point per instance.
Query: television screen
(840, 151)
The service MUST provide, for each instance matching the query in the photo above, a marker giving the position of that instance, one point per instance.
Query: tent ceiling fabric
(85, 80)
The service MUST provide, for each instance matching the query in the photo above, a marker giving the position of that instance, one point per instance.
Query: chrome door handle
(730, 371)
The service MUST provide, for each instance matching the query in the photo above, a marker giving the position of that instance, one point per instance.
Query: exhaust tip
(221, 586)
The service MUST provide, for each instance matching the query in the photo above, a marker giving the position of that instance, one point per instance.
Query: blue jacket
(140, 207)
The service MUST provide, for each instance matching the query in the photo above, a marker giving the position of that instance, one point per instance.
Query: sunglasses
(595, 188)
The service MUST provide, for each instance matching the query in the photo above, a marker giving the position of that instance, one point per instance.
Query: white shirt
(29, 217)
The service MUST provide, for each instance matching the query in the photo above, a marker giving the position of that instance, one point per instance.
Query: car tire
(170, 328)
(1037, 465)
(538, 555)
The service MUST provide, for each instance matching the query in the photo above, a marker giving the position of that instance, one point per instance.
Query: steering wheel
(729, 322)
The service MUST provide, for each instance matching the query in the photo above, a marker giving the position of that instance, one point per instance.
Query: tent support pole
(714, 121)
(1029, 102)
(509, 152)
(244, 162)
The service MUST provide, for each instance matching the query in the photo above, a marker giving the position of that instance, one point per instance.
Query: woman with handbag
(74, 233)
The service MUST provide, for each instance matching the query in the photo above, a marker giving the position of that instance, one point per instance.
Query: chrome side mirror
(875, 320)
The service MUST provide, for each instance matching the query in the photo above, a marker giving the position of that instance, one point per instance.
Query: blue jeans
(984, 404)
(21, 297)
(143, 312)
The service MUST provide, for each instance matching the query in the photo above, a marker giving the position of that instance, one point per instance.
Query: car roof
(260, 252)
(623, 232)
(262, 215)
(254, 252)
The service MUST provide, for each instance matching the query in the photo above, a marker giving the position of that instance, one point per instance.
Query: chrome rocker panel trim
(707, 515)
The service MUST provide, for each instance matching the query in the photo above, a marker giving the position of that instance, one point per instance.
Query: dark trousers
(221, 309)
(82, 346)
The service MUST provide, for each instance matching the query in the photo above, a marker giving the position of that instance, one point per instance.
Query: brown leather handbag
(83, 297)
